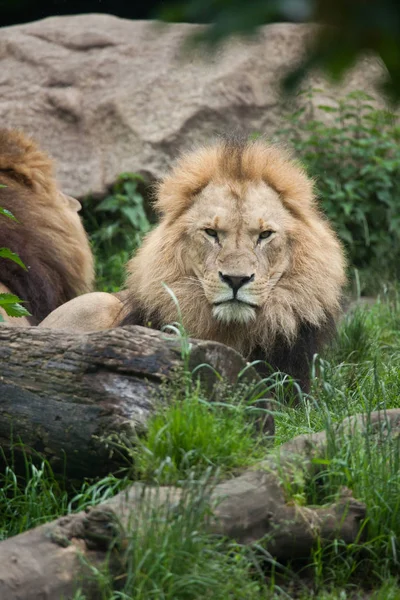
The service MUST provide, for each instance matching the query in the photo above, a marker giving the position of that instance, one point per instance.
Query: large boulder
(105, 95)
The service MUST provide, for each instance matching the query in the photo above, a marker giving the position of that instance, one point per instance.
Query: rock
(105, 95)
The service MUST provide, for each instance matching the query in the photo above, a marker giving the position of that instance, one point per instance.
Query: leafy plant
(10, 303)
(354, 157)
(116, 227)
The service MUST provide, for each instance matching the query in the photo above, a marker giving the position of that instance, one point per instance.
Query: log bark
(62, 394)
(46, 563)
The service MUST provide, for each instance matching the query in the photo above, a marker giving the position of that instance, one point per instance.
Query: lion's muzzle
(234, 303)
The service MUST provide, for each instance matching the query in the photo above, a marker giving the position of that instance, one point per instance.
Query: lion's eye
(265, 234)
(211, 232)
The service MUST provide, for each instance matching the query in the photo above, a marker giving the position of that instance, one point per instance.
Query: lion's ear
(22, 161)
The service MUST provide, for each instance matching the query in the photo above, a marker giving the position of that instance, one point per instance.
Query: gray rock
(105, 95)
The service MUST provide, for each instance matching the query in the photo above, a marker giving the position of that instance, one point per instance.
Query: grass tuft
(193, 434)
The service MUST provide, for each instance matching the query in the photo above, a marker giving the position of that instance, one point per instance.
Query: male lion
(47, 234)
(247, 253)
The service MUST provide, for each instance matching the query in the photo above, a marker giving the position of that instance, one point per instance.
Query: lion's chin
(234, 312)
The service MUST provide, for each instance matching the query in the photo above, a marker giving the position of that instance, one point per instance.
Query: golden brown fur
(294, 278)
(48, 236)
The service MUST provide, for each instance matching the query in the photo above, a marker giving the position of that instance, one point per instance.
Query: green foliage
(191, 434)
(355, 160)
(116, 227)
(359, 374)
(24, 505)
(169, 553)
(368, 464)
(5, 212)
(10, 303)
(39, 497)
(7, 253)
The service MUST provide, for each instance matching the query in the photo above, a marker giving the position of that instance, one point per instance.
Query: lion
(46, 232)
(243, 249)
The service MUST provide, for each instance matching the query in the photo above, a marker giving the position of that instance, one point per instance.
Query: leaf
(327, 108)
(130, 187)
(132, 214)
(8, 298)
(108, 204)
(16, 310)
(131, 177)
(7, 213)
(12, 306)
(7, 253)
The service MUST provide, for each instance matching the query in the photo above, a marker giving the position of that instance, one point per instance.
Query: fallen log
(46, 562)
(63, 394)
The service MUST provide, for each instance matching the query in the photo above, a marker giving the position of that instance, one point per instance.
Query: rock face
(105, 95)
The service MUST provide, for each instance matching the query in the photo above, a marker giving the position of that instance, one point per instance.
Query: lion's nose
(236, 281)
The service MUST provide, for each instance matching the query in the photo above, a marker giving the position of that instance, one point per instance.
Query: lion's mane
(49, 239)
(302, 307)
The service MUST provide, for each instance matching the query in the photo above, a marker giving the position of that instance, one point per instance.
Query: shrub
(116, 227)
(355, 159)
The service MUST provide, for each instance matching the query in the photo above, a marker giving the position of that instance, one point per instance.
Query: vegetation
(352, 151)
(171, 556)
(116, 226)
(192, 434)
(356, 163)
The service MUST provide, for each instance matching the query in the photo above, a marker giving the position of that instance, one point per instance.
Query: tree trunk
(62, 394)
(46, 562)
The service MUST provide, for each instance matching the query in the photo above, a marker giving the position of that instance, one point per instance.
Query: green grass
(190, 434)
(25, 505)
(190, 440)
(360, 373)
(39, 497)
(169, 556)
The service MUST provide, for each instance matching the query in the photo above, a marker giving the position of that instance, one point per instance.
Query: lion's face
(237, 246)
(242, 245)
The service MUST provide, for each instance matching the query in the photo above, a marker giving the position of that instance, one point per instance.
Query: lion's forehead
(226, 206)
